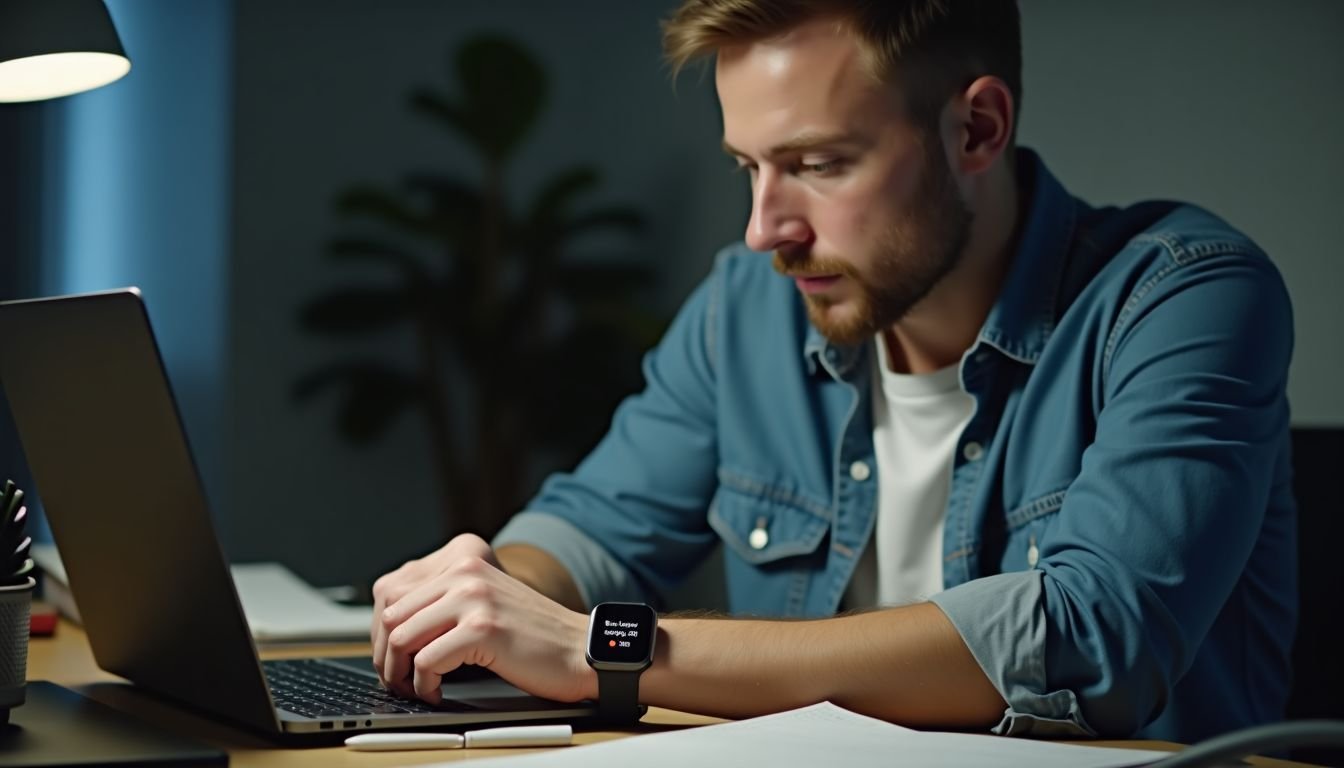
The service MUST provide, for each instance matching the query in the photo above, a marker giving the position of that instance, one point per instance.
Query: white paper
(281, 607)
(825, 735)
(49, 560)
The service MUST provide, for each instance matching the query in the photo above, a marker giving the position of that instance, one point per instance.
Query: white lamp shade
(58, 74)
(51, 48)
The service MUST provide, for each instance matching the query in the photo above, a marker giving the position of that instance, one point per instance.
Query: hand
(391, 587)
(457, 607)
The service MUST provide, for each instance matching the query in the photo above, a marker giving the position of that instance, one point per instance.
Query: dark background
(209, 176)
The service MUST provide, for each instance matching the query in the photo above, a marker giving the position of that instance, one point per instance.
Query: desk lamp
(51, 48)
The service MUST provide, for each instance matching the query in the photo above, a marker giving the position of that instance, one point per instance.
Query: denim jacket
(1120, 536)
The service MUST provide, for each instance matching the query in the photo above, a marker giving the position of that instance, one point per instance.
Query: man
(1045, 443)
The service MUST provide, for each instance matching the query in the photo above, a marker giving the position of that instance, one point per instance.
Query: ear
(982, 119)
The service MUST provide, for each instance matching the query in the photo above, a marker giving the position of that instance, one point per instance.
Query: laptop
(108, 453)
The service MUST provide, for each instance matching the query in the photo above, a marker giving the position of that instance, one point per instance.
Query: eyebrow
(801, 142)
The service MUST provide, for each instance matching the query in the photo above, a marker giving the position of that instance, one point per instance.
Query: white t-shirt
(917, 420)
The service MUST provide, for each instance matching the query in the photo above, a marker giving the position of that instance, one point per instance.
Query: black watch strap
(618, 696)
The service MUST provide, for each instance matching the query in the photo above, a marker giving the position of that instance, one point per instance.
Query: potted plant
(16, 594)
(522, 346)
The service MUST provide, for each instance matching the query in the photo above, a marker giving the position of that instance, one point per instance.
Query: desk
(65, 659)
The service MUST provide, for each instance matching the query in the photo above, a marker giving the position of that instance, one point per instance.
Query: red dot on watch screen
(612, 643)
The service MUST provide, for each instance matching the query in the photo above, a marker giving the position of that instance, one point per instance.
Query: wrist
(583, 677)
(588, 686)
(540, 571)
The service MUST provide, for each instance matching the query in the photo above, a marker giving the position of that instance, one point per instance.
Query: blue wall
(137, 192)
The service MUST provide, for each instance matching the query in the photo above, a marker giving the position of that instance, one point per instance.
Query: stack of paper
(826, 735)
(280, 607)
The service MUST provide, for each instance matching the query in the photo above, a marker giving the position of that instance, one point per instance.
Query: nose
(777, 218)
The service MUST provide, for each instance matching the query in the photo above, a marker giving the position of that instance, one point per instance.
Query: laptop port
(349, 724)
(326, 726)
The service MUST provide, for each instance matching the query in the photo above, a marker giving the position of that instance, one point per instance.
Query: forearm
(905, 665)
(539, 570)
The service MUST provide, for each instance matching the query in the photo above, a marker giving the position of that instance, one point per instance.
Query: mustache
(797, 265)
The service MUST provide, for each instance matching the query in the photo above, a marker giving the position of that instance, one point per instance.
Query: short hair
(929, 48)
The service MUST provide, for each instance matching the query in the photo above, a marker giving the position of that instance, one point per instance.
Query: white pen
(511, 736)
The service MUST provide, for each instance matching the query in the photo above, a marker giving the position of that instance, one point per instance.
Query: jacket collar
(1024, 315)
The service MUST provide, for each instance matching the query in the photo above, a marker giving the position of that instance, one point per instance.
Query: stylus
(512, 736)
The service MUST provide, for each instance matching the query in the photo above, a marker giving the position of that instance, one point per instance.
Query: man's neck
(944, 324)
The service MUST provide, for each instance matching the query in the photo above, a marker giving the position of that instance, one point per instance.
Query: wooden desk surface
(65, 659)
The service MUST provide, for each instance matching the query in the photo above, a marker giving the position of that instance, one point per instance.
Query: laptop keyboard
(313, 689)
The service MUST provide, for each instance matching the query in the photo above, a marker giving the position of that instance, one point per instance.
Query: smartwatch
(620, 648)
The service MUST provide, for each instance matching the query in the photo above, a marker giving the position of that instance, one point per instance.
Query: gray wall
(1230, 104)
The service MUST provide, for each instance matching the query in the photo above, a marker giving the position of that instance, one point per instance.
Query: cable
(1251, 741)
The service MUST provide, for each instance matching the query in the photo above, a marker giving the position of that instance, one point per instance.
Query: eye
(743, 167)
(822, 168)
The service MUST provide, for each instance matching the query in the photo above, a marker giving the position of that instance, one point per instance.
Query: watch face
(622, 633)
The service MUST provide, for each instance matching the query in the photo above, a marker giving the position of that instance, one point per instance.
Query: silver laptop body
(111, 462)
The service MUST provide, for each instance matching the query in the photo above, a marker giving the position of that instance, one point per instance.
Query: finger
(444, 654)
(377, 636)
(394, 663)
(393, 586)
(426, 685)
(387, 591)
(412, 633)
(414, 601)
(377, 632)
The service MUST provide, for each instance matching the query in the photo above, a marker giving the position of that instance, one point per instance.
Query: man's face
(858, 208)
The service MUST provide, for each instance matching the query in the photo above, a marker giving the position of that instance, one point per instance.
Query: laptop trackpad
(474, 686)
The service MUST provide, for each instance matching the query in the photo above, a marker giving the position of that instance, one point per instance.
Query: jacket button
(859, 471)
(758, 537)
(973, 451)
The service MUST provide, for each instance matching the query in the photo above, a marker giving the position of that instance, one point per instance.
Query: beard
(912, 254)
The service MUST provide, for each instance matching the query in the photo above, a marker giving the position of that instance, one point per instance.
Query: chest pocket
(762, 527)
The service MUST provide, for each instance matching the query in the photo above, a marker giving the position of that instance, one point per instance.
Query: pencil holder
(15, 604)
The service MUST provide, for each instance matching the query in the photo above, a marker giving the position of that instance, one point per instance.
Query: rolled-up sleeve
(1002, 621)
(598, 575)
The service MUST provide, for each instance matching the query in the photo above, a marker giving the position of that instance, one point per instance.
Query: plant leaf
(504, 88)
(503, 91)
(369, 410)
(584, 283)
(455, 208)
(438, 107)
(555, 198)
(356, 310)
(353, 249)
(636, 326)
(370, 201)
(374, 395)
